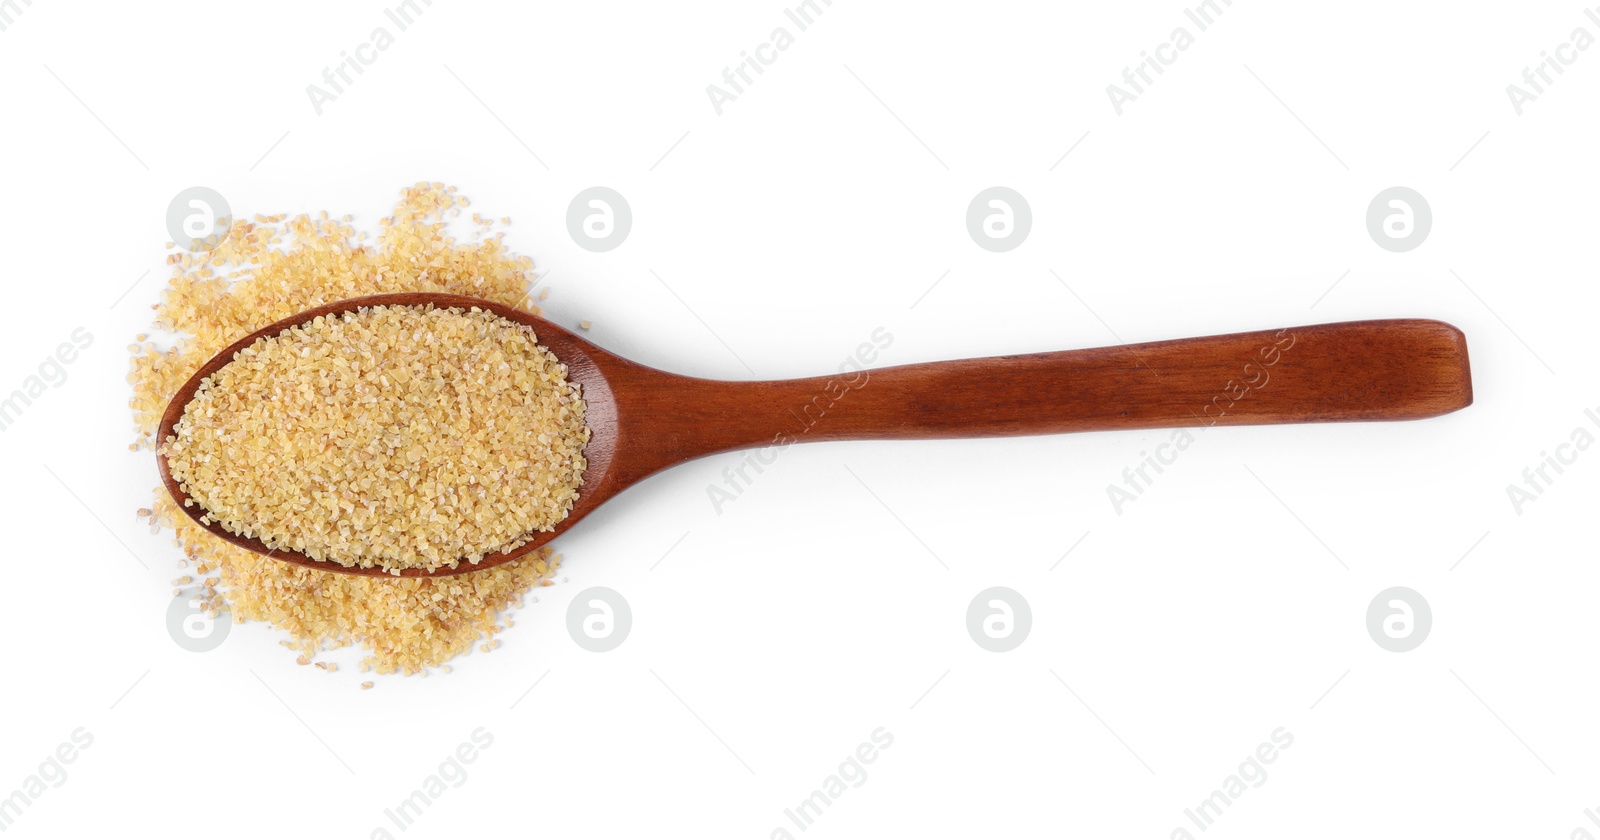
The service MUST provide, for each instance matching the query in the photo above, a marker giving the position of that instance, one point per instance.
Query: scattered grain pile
(266, 270)
(396, 437)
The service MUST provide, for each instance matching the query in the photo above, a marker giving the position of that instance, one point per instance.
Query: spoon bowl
(643, 420)
(587, 366)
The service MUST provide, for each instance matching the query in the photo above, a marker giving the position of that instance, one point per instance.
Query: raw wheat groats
(394, 437)
(268, 269)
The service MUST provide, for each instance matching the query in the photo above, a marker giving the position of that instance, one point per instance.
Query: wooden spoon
(644, 420)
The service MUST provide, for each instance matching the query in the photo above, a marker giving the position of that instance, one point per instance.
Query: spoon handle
(1362, 370)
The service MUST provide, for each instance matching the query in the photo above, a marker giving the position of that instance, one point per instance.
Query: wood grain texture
(644, 420)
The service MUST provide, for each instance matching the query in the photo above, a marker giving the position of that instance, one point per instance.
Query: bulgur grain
(391, 437)
(274, 268)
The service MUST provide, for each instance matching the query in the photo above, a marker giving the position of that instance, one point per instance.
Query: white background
(824, 202)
